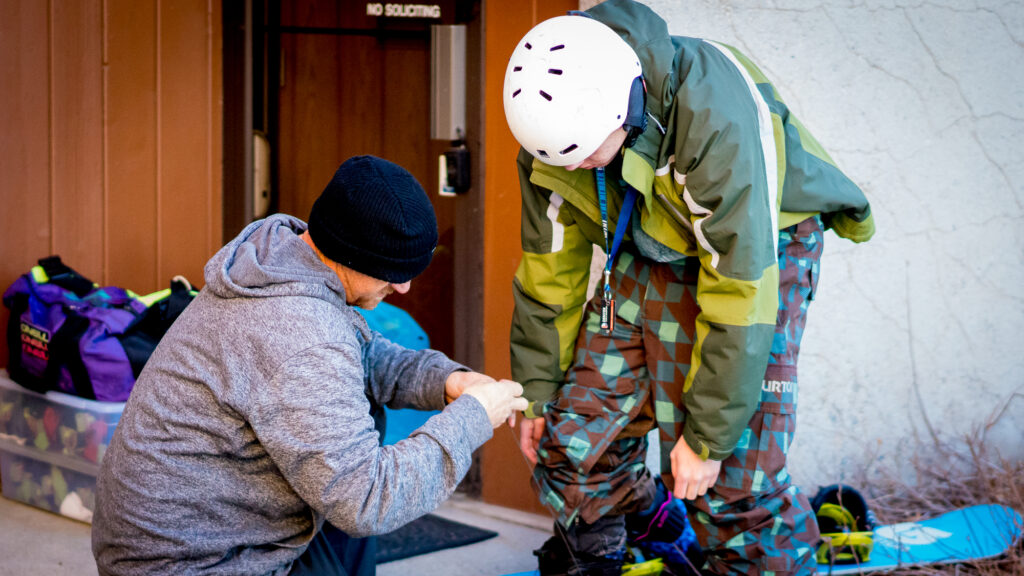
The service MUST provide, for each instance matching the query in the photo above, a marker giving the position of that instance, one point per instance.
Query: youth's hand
(693, 476)
(501, 400)
(458, 381)
(529, 437)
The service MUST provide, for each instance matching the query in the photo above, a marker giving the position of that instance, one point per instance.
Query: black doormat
(427, 534)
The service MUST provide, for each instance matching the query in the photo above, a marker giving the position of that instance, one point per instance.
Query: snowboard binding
(846, 525)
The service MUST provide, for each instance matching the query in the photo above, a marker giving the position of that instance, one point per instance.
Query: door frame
(249, 58)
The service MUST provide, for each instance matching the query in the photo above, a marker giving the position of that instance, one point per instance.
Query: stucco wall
(922, 104)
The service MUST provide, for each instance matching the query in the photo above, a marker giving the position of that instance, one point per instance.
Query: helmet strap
(636, 112)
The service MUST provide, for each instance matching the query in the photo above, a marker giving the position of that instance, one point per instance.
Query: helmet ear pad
(636, 113)
(567, 88)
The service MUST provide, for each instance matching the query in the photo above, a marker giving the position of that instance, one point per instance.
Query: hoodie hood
(269, 259)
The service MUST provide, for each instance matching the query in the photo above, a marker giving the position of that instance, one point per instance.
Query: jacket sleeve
(398, 377)
(313, 419)
(725, 158)
(549, 290)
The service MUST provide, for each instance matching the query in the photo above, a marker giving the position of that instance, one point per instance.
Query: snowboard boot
(663, 521)
(664, 531)
(554, 559)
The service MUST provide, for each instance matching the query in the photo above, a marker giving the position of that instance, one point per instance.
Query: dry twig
(946, 478)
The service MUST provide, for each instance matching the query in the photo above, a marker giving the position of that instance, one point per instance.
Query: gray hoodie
(250, 425)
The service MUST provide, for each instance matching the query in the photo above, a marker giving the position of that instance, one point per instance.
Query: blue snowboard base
(963, 535)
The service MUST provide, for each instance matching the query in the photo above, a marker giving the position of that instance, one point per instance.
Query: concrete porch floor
(33, 541)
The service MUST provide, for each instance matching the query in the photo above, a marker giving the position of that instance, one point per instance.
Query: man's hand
(693, 476)
(457, 383)
(529, 437)
(500, 399)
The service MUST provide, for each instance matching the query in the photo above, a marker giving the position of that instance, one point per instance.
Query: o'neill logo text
(35, 341)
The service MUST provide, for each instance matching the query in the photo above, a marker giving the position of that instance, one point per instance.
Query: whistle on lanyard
(607, 306)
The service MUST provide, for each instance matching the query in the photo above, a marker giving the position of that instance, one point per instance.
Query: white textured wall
(921, 103)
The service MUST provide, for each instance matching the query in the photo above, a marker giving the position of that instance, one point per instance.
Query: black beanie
(375, 218)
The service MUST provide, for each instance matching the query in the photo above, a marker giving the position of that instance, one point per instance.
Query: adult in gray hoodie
(250, 426)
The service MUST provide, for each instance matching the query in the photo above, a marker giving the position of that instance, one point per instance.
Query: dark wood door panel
(349, 94)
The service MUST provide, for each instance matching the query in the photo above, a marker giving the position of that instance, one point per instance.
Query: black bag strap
(181, 296)
(64, 343)
(64, 352)
(141, 338)
(64, 276)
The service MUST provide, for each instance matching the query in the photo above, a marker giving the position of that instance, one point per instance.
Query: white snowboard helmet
(567, 88)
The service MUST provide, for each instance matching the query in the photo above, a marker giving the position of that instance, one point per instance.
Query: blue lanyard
(620, 231)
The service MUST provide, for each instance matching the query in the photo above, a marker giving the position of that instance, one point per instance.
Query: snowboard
(962, 535)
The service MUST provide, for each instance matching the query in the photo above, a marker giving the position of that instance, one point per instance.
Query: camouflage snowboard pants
(591, 456)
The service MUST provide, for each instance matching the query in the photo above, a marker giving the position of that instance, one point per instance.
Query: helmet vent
(517, 68)
(543, 153)
(528, 47)
(554, 71)
(545, 95)
(516, 93)
(559, 47)
(569, 149)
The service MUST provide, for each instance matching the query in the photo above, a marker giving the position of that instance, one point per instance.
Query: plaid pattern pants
(591, 456)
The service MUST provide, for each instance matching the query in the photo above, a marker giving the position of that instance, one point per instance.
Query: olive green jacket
(722, 166)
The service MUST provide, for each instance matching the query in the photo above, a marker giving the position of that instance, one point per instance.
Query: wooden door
(344, 91)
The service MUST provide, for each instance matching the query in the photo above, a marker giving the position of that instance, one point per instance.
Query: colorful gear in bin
(846, 524)
(6, 416)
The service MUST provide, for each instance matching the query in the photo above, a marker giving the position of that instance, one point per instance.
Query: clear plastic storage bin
(56, 423)
(51, 446)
